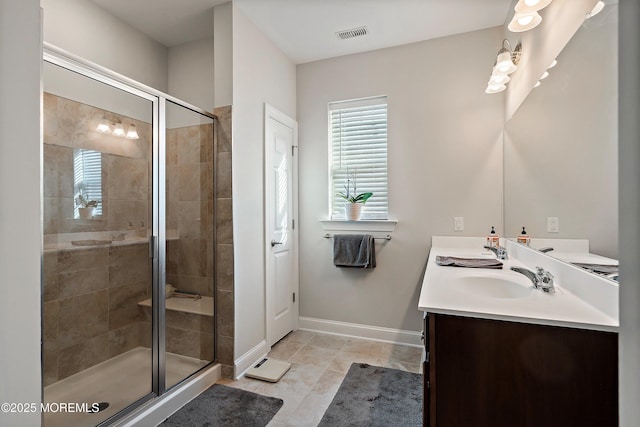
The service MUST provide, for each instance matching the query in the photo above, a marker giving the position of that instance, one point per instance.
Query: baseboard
(250, 358)
(396, 336)
(159, 409)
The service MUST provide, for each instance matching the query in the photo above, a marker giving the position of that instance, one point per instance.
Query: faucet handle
(546, 280)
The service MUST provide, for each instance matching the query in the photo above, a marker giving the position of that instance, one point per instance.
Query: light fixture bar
(506, 63)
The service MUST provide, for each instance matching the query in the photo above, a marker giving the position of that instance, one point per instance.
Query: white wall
(20, 215)
(84, 29)
(561, 146)
(629, 214)
(445, 160)
(261, 73)
(191, 73)
(223, 50)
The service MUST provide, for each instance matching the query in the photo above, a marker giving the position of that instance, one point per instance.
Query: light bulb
(119, 130)
(132, 133)
(537, 84)
(528, 6)
(544, 75)
(553, 64)
(504, 64)
(494, 88)
(499, 79)
(525, 20)
(103, 127)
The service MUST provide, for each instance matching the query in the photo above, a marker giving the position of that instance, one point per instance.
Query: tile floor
(319, 362)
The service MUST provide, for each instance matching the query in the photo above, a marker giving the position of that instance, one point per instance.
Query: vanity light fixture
(506, 63)
(553, 64)
(103, 126)
(132, 133)
(119, 130)
(544, 75)
(596, 9)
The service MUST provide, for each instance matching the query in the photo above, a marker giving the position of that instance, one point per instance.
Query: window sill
(374, 225)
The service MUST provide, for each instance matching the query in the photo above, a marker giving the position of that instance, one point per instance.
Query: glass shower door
(98, 276)
(190, 242)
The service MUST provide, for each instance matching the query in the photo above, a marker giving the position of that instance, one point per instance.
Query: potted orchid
(355, 200)
(86, 207)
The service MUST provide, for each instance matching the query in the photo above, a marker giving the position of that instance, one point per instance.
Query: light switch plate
(458, 223)
(553, 224)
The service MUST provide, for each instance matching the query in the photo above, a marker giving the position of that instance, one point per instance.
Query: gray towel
(468, 262)
(354, 250)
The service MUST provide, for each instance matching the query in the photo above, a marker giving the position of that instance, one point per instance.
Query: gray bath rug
(374, 396)
(226, 406)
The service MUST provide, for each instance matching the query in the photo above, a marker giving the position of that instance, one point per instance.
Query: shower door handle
(153, 244)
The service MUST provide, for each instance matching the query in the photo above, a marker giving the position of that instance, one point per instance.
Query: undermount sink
(91, 242)
(494, 285)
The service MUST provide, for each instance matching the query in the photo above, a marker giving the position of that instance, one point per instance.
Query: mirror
(561, 150)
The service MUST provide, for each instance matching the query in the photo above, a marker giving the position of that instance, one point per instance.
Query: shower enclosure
(129, 241)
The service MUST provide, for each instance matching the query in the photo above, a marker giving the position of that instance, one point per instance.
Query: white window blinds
(358, 154)
(87, 178)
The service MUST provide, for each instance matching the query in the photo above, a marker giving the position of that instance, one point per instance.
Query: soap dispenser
(493, 240)
(524, 237)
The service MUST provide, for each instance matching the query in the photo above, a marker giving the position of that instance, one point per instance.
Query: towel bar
(387, 237)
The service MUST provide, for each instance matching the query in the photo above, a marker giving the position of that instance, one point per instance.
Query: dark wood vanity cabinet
(481, 372)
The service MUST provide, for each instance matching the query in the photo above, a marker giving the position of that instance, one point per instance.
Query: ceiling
(305, 29)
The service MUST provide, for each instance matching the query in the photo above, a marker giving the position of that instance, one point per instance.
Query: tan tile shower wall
(125, 168)
(190, 207)
(90, 306)
(224, 242)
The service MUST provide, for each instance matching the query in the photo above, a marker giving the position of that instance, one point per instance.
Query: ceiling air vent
(354, 32)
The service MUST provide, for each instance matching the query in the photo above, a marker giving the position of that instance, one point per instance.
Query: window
(87, 179)
(358, 154)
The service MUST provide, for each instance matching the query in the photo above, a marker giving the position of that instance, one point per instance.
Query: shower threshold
(118, 381)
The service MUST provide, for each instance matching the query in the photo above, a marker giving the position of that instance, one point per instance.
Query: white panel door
(280, 234)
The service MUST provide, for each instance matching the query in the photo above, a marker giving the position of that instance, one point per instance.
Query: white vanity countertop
(442, 293)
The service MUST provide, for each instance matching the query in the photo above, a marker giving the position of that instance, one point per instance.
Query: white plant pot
(353, 211)
(86, 213)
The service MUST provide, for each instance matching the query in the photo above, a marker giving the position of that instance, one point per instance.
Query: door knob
(273, 243)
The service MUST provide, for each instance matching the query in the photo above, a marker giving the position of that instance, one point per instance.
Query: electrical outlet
(458, 223)
(553, 224)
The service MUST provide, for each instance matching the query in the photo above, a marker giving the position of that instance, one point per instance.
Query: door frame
(272, 113)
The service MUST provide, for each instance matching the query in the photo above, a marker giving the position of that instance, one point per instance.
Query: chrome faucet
(500, 251)
(541, 279)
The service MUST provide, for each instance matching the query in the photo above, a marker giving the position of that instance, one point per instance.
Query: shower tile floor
(319, 362)
(120, 381)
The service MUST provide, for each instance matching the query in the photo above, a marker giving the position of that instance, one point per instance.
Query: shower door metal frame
(157, 243)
